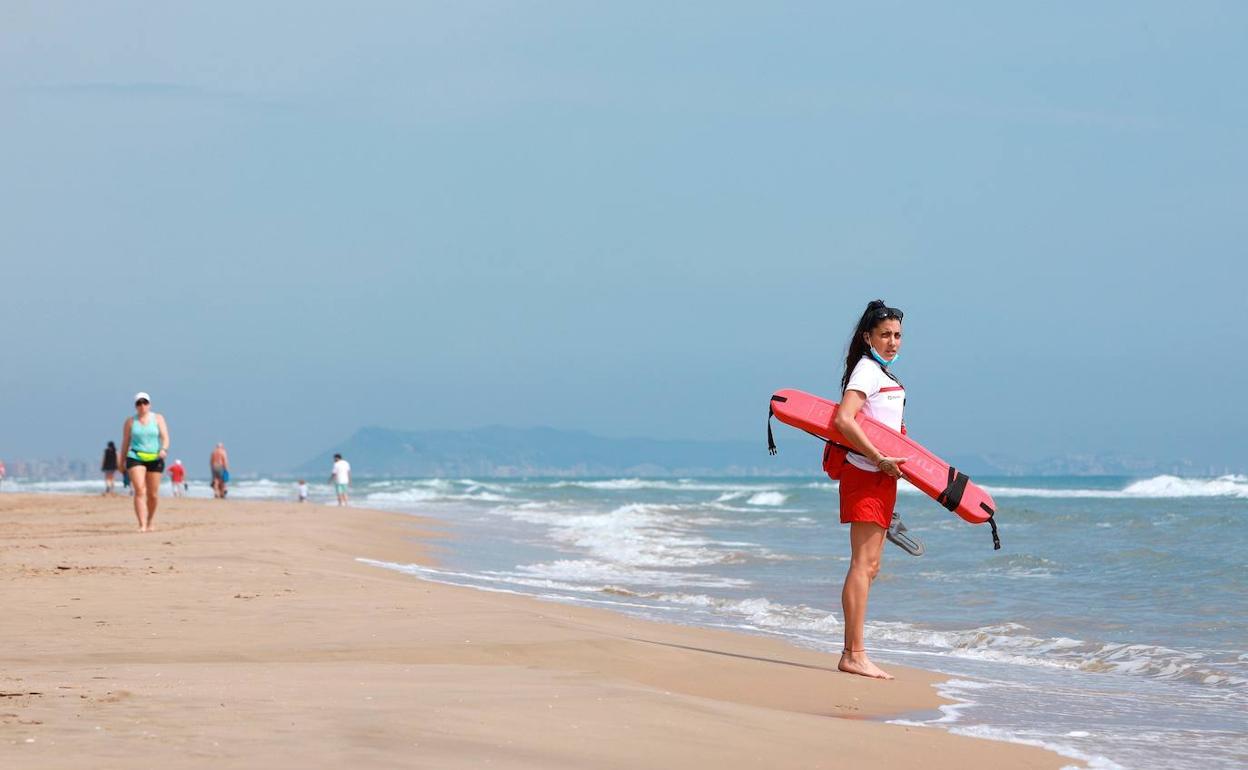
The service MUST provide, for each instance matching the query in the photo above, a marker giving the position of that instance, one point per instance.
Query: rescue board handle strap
(955, 487)
(996, 539)
(771, 441)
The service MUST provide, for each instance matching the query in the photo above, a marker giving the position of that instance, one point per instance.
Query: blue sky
(293, 220)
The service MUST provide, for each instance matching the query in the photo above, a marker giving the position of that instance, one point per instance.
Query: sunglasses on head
(881, 313)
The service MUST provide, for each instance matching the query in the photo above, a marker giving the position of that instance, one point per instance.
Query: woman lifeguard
(868, 479)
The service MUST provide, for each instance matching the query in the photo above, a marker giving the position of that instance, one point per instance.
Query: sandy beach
(247, 634)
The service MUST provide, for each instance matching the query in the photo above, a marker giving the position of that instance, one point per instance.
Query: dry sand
(244, 634)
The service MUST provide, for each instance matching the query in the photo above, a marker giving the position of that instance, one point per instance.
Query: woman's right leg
(866, 542)
(138, 483)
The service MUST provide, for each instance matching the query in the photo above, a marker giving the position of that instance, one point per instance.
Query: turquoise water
(1112, 625)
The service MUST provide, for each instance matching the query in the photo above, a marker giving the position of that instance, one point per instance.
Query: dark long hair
(871, 318)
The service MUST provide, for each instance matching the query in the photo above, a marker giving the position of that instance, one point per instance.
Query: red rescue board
(930, 474)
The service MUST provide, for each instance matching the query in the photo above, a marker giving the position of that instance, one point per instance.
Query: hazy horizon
(290, 222)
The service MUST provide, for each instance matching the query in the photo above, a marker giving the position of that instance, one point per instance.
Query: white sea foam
(639, 535)
(679, 485)
(1011, 566)
(260, 489)
(1093, 761)
(428, 495)
(600, 575)
(1164, 486)
(759, 612)
(468, 580)
(1005, 643)
(473, 486)
(767, 498)
(1173, 486)
(1010, 643)
(77, 487)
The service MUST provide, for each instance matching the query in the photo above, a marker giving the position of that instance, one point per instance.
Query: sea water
(1112, 626)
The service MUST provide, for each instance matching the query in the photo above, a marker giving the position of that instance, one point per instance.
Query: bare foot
(858, 663)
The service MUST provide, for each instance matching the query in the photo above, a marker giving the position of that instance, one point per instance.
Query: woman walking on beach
(868, 479)
(145, 444)
(109, 467)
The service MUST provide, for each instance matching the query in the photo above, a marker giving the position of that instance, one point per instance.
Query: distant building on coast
(57, 469)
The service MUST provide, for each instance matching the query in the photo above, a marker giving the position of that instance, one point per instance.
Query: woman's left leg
(138, 477)
(866, 542)
(153, 496)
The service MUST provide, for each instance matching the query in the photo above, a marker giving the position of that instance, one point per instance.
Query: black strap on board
(992, 522)
(951, 497)
(771, 441)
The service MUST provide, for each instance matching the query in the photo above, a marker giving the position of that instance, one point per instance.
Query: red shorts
(867, 496)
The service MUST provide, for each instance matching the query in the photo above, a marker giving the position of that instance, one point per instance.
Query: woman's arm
(125, 442)
(164, 434)
(851, 430)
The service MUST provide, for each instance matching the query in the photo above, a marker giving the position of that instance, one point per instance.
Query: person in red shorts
(177, 476)
(868, 479)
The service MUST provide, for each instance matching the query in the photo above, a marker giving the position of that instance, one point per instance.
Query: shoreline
(245, 633)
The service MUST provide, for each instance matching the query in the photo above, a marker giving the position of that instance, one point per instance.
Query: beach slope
(248, 634)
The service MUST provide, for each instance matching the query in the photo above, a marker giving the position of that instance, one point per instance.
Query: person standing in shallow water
(868, 481)
(108, 466)
(340, 477)
(145, 445)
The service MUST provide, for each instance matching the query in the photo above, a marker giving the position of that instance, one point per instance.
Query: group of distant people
(144, 449)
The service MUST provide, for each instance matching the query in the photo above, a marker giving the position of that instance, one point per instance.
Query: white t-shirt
(342, 472)
(885, 401)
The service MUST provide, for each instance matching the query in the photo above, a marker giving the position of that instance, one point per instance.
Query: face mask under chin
(881, 360)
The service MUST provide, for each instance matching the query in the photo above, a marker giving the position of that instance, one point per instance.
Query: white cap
(142, 395)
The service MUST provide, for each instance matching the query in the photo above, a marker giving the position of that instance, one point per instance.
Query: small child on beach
(303, 491)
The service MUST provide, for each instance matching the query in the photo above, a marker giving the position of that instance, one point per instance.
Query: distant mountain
(503, 452)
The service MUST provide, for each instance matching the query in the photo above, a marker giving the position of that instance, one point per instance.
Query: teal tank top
(144, 440)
